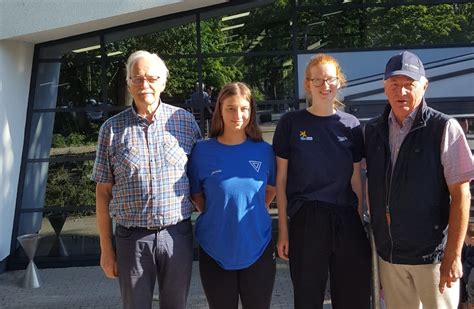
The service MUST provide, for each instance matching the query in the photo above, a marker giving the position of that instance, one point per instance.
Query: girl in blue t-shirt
(232, 179)
(318, 151)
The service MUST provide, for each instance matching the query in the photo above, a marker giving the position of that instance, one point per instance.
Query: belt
(153, 228)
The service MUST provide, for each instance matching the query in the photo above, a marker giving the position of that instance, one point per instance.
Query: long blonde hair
(324, 59)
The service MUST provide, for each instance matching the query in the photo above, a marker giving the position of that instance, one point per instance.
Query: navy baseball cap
(405, 63)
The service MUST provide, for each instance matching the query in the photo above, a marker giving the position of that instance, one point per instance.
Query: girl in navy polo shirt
(232, 178)
(318, 151)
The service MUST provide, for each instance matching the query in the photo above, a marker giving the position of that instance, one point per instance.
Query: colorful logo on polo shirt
(304, 136)
(256, 165)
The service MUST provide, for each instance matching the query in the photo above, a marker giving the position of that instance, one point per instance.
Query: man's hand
(450, 271)
(451, 266)
(108, 262)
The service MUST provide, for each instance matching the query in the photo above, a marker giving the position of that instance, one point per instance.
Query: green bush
(73, 139)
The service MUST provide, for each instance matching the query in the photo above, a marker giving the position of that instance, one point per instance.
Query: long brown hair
(239, 89)
(324, 59)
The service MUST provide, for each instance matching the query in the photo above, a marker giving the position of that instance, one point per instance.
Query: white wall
(15, 63)
(44, 20)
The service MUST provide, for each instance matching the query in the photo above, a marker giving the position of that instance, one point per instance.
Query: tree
(375, 26)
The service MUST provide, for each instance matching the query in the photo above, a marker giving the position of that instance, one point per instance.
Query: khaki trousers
(415, 287)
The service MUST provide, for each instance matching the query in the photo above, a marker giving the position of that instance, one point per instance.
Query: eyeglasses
(138, 80)
(318, 82)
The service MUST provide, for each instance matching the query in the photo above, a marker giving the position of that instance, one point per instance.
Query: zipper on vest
(389, 188)
(387, 209)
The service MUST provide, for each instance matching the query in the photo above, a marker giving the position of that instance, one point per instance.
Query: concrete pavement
(87, 287)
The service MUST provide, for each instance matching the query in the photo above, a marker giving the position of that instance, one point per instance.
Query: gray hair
(140, 54)
(423, 80)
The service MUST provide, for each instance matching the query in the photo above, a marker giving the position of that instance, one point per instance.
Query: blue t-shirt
(235, 227)
(320, 153)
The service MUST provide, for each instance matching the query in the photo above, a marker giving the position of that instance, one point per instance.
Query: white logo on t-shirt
(256, 165)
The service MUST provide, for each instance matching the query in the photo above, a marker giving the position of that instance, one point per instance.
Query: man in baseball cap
(405, 84)
(418, 166)
(407, 64)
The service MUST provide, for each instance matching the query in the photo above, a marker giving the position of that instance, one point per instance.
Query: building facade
(63, 74)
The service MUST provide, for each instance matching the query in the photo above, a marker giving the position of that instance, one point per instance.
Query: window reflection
(87, 45)
(62, 132)
(253, 29)
(270, 78)
(180, 40)
(63, 234)
(377, 26)
(69, 185)
(79, 82)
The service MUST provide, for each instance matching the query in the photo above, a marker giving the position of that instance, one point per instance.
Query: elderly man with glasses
(140, 171)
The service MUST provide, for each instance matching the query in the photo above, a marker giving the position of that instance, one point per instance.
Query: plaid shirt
(146, 163)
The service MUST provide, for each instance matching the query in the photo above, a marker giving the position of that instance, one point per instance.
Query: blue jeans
(143, 256)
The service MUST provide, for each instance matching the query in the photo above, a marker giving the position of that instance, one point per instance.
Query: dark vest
(415, 192)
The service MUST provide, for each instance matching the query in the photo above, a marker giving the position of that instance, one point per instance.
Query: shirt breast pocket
(174, 154)
(127, 161)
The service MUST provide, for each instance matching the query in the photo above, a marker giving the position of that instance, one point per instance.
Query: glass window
(69, 184)
(47, 84)
(345, 27)
(181, 82)
(254, 29)
(116, 89)
(59, 184)
(65, 133)
(34, 186)
(73, 82)
(63, 234)
(167, 38)
(353, 3)
(80, 81)
(270, 78)
(64, 197)
(88, 45)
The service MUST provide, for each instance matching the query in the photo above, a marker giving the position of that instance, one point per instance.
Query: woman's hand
(283, 245)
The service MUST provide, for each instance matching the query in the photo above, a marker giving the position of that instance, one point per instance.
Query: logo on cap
(405, 63)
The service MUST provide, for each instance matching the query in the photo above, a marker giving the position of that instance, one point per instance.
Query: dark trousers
(324, 238)
(143, 256)
(254, 284)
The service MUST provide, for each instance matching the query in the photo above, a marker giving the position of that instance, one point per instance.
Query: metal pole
(375, 282)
